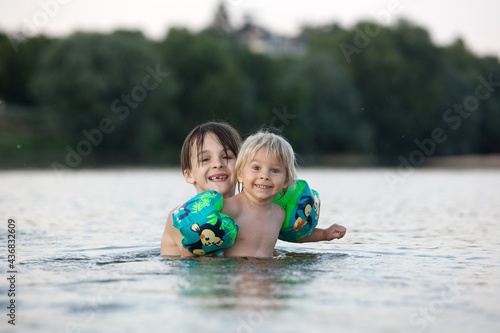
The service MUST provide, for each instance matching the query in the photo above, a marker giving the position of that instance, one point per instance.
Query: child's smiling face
(263, 177)
(212, 169)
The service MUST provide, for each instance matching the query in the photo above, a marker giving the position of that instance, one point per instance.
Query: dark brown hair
(228, 137)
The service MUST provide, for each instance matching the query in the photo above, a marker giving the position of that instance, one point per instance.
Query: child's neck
(265, 205)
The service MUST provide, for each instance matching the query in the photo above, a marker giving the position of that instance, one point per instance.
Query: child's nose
(218, 163)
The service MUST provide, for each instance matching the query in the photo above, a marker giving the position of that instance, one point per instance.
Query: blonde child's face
(263, 177)
(212, 169)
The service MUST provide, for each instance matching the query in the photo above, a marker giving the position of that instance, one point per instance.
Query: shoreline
(464, 161)
(42, 161)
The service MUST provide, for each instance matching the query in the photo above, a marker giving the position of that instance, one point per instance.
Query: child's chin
(221, 187)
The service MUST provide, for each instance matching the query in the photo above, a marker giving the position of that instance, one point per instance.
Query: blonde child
(265, 167)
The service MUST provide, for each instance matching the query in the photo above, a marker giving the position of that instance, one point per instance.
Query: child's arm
(171, 240)
(335, 231)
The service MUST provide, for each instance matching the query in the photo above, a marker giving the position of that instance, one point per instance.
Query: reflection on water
(422, 258)
(245, 283)
(250, 291)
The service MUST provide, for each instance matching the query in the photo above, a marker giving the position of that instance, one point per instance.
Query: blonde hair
(277, 146)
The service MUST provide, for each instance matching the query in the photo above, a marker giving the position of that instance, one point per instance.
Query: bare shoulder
(279, 211)
(170, 230)
(172, 212)
(231, 206)
(170, 220)
(171, 239)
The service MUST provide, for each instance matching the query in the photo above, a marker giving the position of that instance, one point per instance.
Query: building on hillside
(261, 41)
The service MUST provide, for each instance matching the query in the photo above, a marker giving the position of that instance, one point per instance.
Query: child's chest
(260, 226)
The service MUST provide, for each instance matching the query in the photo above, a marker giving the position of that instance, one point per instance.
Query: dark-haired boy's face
(211, 168)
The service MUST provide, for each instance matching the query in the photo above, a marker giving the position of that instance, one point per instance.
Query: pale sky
(476, 22)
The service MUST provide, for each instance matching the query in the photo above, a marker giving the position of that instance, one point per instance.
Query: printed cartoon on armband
(204, 229)
(302, 205)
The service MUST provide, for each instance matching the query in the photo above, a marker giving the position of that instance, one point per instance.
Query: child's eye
(275, 171)
(228, 157)
(205, 159)
(256, 168)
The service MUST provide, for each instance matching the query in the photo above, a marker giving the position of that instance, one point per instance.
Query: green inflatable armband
(302, 205)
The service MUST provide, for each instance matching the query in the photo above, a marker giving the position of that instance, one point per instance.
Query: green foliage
(330, 113)
(86, 78)
(18, 60)
(212, 83)
(399, 79)
(366, 90)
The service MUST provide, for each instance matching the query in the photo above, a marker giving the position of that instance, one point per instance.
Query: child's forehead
(266, 154)
(208, 138)
(210, 143)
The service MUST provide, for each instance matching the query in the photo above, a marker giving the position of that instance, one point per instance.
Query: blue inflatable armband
(204, 229)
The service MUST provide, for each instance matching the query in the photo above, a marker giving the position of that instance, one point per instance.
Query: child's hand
(333, 232)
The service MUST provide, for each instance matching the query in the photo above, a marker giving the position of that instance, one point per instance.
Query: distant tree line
(370, 90)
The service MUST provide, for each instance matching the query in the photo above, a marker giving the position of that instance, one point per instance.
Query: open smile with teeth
(264, 187)
(217, 178)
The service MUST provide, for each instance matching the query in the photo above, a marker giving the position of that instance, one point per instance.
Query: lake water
(420, 255)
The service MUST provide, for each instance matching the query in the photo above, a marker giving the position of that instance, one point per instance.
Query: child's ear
(188, 177)
(240, 178)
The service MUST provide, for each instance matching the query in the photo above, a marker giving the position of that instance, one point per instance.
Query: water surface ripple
(420, 255)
